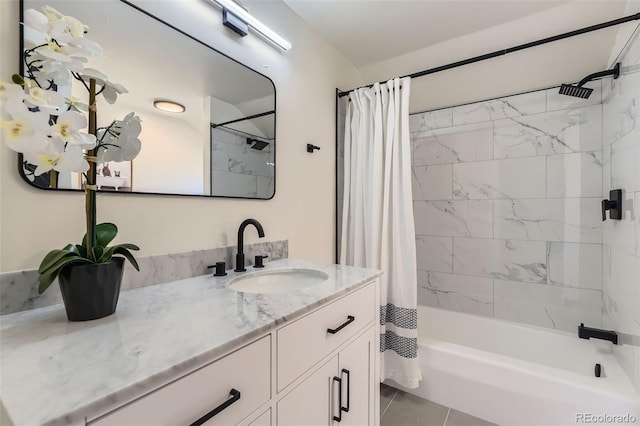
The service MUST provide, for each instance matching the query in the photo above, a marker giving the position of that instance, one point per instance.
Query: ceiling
(369, 31)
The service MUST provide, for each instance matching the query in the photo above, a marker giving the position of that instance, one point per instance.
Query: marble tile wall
(237, 169)
(19, 290)
(507, 208)
(621, 239)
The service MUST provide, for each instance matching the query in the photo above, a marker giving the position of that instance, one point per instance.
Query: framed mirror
(221, 145)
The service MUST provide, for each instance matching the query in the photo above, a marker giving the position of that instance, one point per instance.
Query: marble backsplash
(19, 290)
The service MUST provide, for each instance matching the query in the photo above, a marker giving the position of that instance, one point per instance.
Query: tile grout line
(389, 404)
(447, 418)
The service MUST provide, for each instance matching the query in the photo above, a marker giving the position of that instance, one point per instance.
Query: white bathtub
(513, 374)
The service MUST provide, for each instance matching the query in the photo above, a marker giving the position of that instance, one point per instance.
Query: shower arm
(615, 72)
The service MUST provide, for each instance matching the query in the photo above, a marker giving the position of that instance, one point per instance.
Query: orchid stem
(90, 193)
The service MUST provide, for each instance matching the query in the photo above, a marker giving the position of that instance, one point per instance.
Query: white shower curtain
(377, 219)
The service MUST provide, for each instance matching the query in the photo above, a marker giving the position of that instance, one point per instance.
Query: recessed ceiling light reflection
(169, 106)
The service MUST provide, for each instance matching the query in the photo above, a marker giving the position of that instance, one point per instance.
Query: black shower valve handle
(613, 204)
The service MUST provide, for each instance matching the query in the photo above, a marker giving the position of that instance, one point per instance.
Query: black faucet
(596, 333)
(240, 256)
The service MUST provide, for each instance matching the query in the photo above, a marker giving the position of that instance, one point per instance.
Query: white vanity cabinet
(239, 383)
(340, 392)
(320, 369)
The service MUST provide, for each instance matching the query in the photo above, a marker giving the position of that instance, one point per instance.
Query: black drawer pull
(338, 418)
(235, 396)
(349, 320)
(348, 373)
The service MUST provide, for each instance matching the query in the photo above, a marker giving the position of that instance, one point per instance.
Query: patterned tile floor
(398, 408)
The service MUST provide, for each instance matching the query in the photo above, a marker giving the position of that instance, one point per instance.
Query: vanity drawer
(187, 399)
(306, 341)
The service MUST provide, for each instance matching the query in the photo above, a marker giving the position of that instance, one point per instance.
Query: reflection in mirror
(223, 144)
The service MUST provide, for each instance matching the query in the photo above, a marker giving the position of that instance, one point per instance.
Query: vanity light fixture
(169, 106)
(237, 18)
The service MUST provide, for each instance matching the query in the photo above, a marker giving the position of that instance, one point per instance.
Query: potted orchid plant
(47, 129)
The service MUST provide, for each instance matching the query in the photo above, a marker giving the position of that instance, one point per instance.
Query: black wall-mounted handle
(235, 396)
(348, 373)
(311, 148)
(349, 320)
(613, 204)
(338, 418)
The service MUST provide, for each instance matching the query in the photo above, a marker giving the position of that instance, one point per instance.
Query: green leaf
(105, 233)
(48, 275)
(97, 252)
(106, 255)
(128, 246)
(120, 249)
(52, 257)
(81, 250)
(17, 79)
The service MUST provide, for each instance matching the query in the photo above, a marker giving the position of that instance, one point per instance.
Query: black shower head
(257, 144)
(584, 92)
(577, 91)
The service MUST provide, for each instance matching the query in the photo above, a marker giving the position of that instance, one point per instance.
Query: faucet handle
(259, 261)
(220, 269)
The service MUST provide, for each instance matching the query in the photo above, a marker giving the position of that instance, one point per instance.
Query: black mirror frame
(21, 157)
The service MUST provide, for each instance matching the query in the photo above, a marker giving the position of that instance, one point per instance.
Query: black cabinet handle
(235, 396)
(338, 418)
(348, 373)
(349, 320)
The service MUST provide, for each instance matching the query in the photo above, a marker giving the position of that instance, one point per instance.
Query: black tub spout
(596, 333)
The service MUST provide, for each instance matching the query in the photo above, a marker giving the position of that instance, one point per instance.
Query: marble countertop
(56, 372)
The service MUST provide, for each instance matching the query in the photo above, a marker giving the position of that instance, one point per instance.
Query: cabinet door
(357, 372)
(312, 403)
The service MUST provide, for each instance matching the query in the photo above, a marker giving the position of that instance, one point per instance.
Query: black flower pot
(90, 290)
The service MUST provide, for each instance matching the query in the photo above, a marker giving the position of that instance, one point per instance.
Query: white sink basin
(277, 280)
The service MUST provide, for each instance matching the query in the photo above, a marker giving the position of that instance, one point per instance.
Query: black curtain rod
(515, 48)
(262, 114)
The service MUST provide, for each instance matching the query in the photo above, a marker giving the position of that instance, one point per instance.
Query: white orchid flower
(56, 157)
(9, 94)
(67, 129)
(76, 104)
(62, 53)
(111, 90)
(64, 28)
(86, 46)
(46, 100)
(60, 27)
(89, 73)
(120, 142)
(26, 131)
(36, 20)
(54, 71)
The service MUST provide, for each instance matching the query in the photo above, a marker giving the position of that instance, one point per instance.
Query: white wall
(34, 221)
(532, 69)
